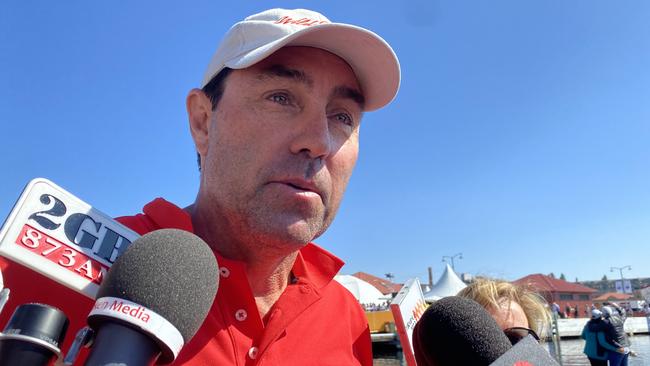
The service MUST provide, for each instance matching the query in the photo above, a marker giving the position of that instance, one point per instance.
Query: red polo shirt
(314, 322)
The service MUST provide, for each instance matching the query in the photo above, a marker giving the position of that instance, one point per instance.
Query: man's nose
(313, 137)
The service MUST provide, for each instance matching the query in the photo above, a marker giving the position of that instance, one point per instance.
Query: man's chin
(296, 234)
(291, 232)
(301, 234)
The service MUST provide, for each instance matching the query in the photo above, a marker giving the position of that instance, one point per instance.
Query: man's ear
(199, 113)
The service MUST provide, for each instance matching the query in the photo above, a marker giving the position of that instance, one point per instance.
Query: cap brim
(372, 60)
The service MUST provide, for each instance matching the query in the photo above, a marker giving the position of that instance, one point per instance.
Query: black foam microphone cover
(172, 272)
(458, 331)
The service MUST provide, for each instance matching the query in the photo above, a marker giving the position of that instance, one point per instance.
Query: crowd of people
(371, 306)
(570, 311)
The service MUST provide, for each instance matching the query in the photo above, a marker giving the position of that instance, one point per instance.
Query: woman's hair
(491, 293)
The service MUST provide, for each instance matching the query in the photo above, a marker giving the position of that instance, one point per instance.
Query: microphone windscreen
(458, 331)
(172, 272)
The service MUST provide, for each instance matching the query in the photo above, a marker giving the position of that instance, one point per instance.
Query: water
(572, 351)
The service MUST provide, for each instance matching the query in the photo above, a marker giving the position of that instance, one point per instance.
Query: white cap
(596, 314)
(373, 61)
(607, 311)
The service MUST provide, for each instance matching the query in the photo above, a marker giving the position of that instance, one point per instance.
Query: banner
(627, 286)
(624, 286)
(407, 308)
(619, 286)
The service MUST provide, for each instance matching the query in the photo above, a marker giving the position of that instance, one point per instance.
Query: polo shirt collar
(313, 263)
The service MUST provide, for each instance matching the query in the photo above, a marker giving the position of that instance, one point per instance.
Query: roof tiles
(542, 282)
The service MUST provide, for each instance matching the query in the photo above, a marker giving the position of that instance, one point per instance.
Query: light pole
(451, 257)
(620, 271)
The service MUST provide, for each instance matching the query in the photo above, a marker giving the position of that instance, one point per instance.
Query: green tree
(562, 277)
(552, 275)
(604, 278)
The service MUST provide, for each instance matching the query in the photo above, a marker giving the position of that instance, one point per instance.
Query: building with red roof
(568, 295)
(612, 296)
(383, 285)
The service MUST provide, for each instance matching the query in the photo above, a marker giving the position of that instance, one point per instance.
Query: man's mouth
(300, 185)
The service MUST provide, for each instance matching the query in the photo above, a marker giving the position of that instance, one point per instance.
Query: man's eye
(344, 118)
(282, 99)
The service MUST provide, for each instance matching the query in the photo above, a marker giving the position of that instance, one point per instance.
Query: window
(583, 297)
(566, 296)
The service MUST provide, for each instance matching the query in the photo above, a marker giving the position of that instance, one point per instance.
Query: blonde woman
(518, 310)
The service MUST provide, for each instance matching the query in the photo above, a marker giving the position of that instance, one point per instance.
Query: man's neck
(268, 279)
(268, 271)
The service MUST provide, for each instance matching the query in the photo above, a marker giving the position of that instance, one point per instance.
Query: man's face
(282, 145)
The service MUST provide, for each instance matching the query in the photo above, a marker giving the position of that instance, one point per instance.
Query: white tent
(448, 285)
(364, 292)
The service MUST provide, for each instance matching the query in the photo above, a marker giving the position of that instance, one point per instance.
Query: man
(276, 129)
(555, 309)
(615, 318)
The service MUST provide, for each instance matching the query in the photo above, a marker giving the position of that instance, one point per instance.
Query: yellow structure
(381, 321)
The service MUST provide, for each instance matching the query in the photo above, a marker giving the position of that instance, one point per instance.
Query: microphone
(33, 335)
(153, 299)
(459, 331)
(526, 352)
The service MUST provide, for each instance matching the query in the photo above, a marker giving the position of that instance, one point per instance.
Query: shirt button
(225, 272)
(305, 289)
(252, 353)
(241, 315)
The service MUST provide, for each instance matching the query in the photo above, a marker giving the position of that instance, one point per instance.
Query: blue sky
(520, 136)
